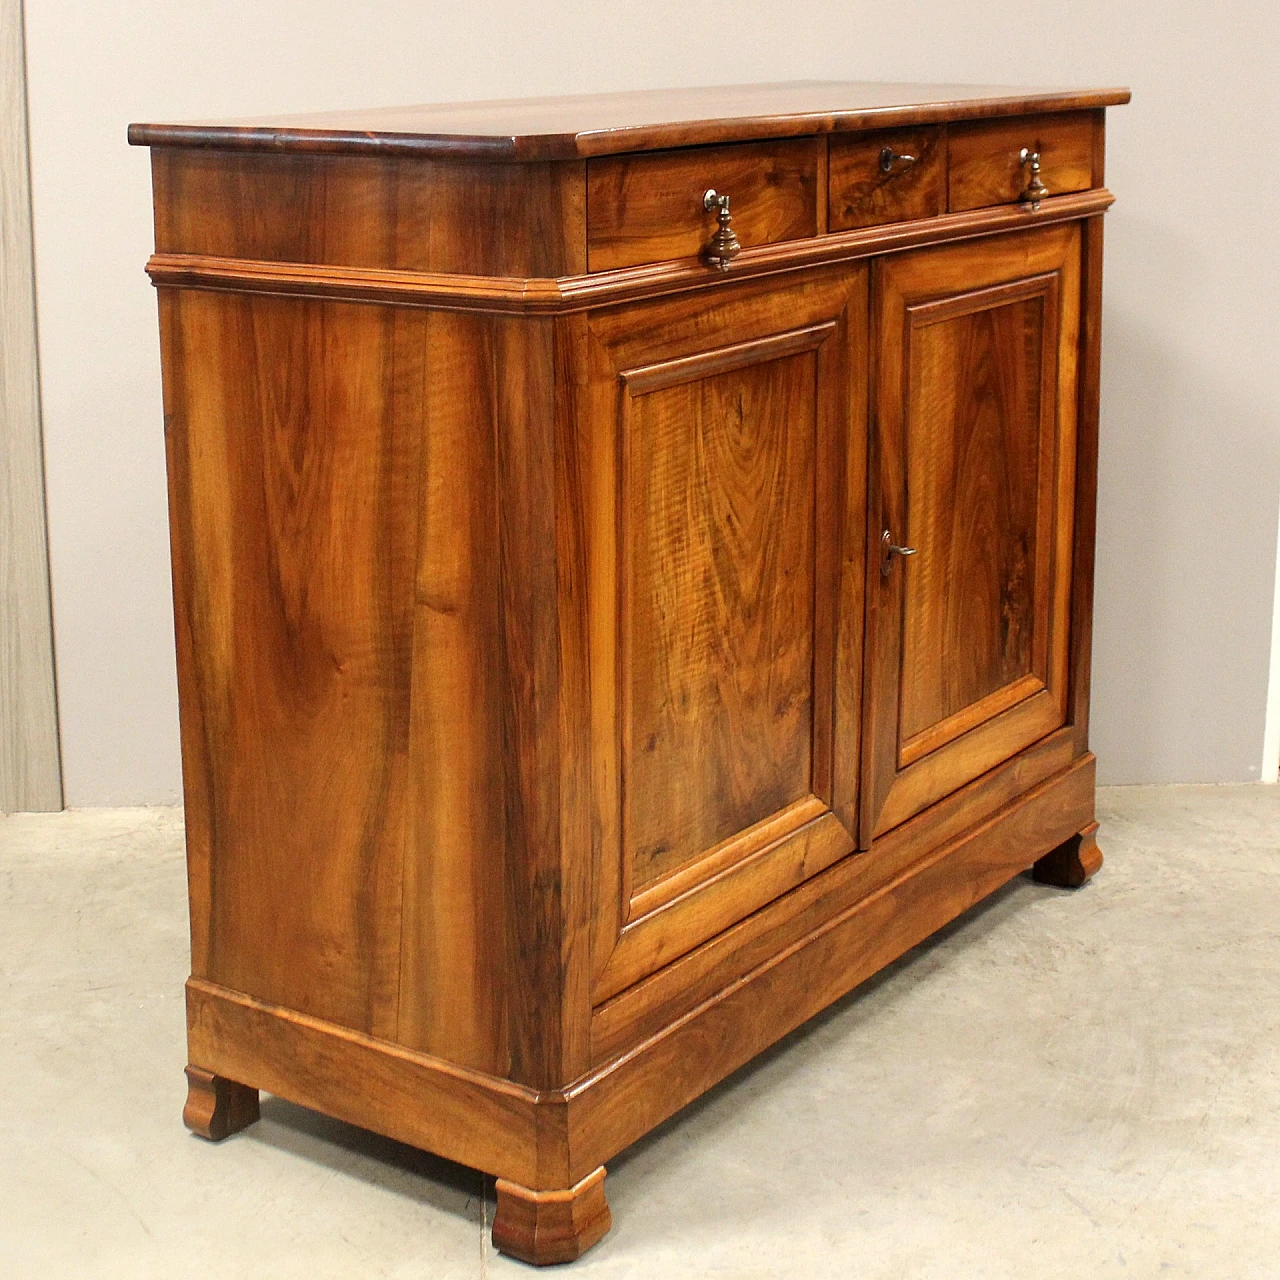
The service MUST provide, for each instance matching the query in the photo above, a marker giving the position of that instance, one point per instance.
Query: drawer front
(986, 167)
(647, 208)
(887, 176)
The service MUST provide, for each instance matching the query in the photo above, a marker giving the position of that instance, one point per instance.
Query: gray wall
(1191, 456)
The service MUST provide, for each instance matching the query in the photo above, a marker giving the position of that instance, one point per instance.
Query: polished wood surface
(719, 495)
(976, 421)
(217, 1107)
(553, 741)
(625, 1098)
(374, 212)
(1086, 503)
(511, 295)
(984, 163)
(294, 447)
(609, 123)
(669, 993)
(649, 207)
(1074, 861)
(553, 1139)
(863, 193)
(716, 439)
(544, 1227)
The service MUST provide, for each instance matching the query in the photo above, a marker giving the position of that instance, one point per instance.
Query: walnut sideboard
(632, 566)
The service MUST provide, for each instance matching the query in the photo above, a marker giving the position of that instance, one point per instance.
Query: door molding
(910, 759)
(666, 380)
(30, 769)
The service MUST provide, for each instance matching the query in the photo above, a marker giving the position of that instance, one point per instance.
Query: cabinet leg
(217, 1107)
(551, 1226)
(1072, 862)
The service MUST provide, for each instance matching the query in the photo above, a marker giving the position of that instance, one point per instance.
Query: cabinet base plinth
(217, 1107)
(542, 1227)
(1073, 862)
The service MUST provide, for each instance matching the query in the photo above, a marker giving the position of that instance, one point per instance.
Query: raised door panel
(717, 662)
(975, 412)
(723, 473)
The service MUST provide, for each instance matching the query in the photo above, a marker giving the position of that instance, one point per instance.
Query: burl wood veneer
(612, 624)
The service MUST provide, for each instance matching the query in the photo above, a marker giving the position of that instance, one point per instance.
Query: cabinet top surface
(607, 123)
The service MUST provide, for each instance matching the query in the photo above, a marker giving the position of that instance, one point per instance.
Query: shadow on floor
(375, 1160)
(978, 921)
(433, 1180)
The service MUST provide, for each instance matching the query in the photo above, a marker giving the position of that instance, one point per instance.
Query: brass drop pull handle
(889, 157)
(889, 550)
(1036, 190)
(724, 246)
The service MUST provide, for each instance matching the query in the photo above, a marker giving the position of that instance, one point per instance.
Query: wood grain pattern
(985, 164)
(217, 1107)
(648, 207)
(609, 123)
(980, 456)
(552, 740)
(861, 194)
(519, 295)
(975, 415)
(469, 1116)
(1074, 861)
(372, 212)
(1099, 147)
(547, 908)
(718, 492)
(629, 1096)
(547, 1141)
(30, 768)
(453, 948)
(714, 612)
(669, 992)
(1086, 508)
(294, 451)
(545, 1227)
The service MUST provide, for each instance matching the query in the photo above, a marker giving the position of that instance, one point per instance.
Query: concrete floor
(1061, 1084)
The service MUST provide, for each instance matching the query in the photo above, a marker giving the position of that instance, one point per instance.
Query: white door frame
(30, 768)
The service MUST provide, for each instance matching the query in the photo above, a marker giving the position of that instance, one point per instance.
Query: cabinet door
(975, 424)
(720, 457)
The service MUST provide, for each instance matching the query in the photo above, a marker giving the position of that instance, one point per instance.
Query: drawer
(886, 176)
(986, 165)
(646, 208)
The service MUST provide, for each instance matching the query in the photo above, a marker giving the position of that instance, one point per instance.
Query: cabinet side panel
(370, 211)
(489, 940)
(452, 992)
(293, 435)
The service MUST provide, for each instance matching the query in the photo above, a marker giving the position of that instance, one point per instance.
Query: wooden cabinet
(886, 175)
(989, 161)
(611, 625)
(724, 464)
(975, 444)
(639, 207)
